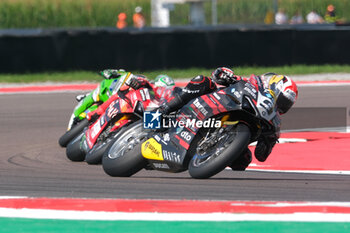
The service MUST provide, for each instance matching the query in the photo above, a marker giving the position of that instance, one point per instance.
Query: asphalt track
(32, 163)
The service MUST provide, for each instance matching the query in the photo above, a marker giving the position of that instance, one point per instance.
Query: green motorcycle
(90, 102)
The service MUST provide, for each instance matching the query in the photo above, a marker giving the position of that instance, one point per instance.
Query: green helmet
(164, 80)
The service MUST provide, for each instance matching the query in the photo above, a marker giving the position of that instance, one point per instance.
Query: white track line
(122, 216)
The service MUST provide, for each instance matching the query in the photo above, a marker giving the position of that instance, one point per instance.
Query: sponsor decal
(237, 94)
(166, 137)
(112, 111)
(290, 95)
(95, 129)
(151, 149)
(146, 145)
(216, 96)
(190, 91)
(212, 100)
(186, 135)
(200, 107)
(157, 138)
(161, 165)
(147, 94)
(142, 95)
(251, 91)
(171, 156)
(102, 121)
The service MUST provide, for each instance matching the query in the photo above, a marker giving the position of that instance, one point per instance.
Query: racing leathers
(104, 90)
(134, 83)
(202, 85)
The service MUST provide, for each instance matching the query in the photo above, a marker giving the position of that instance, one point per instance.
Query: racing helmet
(285, 90)
(164, 80)
(223, 76)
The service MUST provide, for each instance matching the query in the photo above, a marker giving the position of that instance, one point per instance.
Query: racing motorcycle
(233, 117)
(86, 104)
(126, 109)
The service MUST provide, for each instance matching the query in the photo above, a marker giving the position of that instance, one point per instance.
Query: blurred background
(66, 35)
(104, 13)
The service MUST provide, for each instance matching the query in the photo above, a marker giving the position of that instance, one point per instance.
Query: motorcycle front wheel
(123, 157)
(72, 133)
(74, 151)
(94, 156)
(212, 160)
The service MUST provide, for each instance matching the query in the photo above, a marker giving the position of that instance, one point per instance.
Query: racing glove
(175, 104)
(224, 76)
(92, 116)
(137, 82)
(110, 73)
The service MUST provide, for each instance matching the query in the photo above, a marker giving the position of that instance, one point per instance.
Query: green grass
(103, 13)
(187, 73)
(23, 225)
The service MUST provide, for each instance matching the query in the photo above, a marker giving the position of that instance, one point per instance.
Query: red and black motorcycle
(207, 135)
(127, 108)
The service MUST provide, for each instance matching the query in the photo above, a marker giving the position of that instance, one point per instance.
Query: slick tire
(216, 164)
(94, 156)
(128, 163)
(73, 150)
(71, 134)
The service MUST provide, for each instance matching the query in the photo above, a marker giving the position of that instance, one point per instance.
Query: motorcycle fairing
(173, 146)
(99, 125)
(115, 112)
(162, 156)
(176, 142)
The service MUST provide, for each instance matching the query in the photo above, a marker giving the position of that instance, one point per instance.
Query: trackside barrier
(37, 50)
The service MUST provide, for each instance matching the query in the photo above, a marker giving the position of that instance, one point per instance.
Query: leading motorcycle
(207, 135)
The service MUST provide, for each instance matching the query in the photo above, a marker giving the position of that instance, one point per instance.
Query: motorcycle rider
(284, 89)
(163, 87)
(104, 90)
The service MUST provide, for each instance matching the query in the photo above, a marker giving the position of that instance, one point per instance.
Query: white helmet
(285, 90)
(164, 80)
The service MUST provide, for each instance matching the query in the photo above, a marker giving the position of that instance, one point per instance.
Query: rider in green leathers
(101, 94)
(105, 90)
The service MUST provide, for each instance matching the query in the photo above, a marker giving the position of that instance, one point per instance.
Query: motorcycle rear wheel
(211, 163)
(72, 133)
(123, 157)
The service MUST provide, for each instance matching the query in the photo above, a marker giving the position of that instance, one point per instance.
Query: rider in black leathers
(202, 85)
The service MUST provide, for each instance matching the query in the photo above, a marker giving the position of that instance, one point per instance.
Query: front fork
(70, 123)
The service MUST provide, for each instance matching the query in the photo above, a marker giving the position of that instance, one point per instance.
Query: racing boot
(242, 162)
(264, 148)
